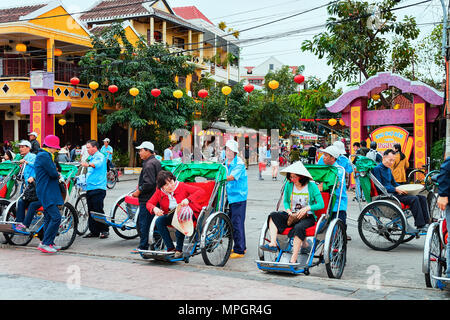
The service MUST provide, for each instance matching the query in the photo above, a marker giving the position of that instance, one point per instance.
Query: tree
(353, 47)
(114, 60)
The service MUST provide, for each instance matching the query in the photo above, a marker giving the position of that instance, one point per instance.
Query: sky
(240, 15)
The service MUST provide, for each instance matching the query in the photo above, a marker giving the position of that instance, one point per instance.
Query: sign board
(386, 137)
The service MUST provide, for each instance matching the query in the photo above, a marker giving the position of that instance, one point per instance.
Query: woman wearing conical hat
(301, 199)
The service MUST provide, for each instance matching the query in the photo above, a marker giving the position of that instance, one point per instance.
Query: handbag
(293, 219)
(29, 193)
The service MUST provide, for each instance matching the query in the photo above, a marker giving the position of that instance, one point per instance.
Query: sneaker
(54, 246)
(178, 254)
(410, 229)
(104, 235)
(21, 228)
(46, 249)
(235, 255)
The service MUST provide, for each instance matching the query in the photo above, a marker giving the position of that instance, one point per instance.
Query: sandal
(266, 247)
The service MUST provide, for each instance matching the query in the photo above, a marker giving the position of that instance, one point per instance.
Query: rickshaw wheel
(433, 256)
(432, 207)
(217, 240)
(335, 249)
(265, 239)
(3, 204)
(83, 214)
(119, 215)
(15, 239)
(67, 230)
(381, 226)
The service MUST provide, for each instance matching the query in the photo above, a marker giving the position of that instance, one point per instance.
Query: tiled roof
(14, 14)
(191, 12)
(111, 9)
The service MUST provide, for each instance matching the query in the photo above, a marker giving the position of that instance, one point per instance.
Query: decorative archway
(424, 109)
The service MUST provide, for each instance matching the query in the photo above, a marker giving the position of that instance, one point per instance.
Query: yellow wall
(64, 23)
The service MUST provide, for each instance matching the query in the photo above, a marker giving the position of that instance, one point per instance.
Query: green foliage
(120, 159)
(114, 60)
(437, 154)
(351, 47)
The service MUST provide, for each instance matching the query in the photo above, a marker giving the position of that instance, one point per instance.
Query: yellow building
(46, 37)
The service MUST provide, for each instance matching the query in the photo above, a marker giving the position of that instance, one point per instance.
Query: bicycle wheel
(433, 209)
(67, 230)
(416, 176)
(3, 204)
(381, 226)
(111, 178)
(217, 240)
(335, 249)
(128, 231)
(434, 256)
(15, 239)
(429, 184)
(83, 214)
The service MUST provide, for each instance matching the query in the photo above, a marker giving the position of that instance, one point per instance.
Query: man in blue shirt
(237, 191)
(107, 151)
(96, 188)
(418, 204)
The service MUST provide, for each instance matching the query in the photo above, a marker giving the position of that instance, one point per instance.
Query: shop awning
(304, 135)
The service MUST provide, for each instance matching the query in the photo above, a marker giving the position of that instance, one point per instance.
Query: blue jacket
(47, 186)
(384, 175)
(237, 189)
(444, 179)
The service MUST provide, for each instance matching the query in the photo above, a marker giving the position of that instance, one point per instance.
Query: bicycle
(112, 177)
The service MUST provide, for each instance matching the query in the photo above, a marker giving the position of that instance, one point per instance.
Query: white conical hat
(297, 168)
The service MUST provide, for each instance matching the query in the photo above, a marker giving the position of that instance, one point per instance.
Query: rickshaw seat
(312, 230)
(132, 200)
(208, 187)
(374, 193)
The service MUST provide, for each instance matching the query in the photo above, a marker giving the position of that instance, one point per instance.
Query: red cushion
(312, 230)
(3, 192)
(373, 189)
(132, 200)
(404, 206)
(444, 230)
(208, 187)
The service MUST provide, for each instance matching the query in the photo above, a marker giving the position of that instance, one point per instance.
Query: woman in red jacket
(168, 195)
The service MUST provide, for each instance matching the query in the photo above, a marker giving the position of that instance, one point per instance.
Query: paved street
(105, 269)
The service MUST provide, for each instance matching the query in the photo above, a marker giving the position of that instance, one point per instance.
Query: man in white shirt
(168, 154)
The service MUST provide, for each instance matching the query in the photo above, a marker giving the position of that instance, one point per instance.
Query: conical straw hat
(297, 168)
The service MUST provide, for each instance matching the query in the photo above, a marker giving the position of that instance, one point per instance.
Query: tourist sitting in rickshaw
(418, 204)
(169, 194)
(301, 199)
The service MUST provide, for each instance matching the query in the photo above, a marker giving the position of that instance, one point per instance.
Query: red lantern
(299, 79)
(203, 93)
(74, 81)
(155, 93)
(249, 88)
(113, 88)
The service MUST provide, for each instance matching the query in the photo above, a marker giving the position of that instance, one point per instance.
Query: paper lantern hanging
(93, 85)
(202, 94)
(226, 90)
(134, 92)
(62, 122)
(113, 88)
(376, 97)
(274, 84)
(74, 81)
(332, 122)
(397, 106)
(299, 79)
(155, 93)
(341, 122)
(249, 88)
(178, 94)
(57, 52)
(20, 47)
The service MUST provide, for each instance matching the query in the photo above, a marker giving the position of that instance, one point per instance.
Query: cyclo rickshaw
(212, 235)
(434, 254)
(328, 236)
(66, 232)
(123, 217)
(384, 223)
(9, 182)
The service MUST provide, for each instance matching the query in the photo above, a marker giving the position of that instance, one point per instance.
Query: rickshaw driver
(330, 156)
(442, 202)
(418, 204)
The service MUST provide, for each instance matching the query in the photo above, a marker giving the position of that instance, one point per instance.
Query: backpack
(372, 154)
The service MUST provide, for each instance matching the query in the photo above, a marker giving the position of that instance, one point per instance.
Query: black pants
(95, 199)
(419, 208)
(280, 218)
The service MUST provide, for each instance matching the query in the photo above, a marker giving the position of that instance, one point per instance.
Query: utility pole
(446, 55)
